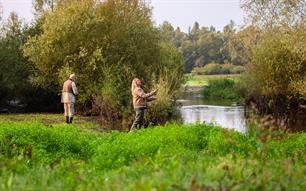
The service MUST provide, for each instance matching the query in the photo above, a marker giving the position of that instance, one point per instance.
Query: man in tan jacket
(140, 99)
(69, 93)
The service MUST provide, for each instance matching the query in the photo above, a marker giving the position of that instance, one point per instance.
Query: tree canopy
(106, 44)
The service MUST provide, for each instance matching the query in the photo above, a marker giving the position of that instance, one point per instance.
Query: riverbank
(202, 80)
(216, 102)
(215, 87)
(56, 156)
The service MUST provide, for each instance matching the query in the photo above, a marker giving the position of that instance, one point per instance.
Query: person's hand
(154, 92)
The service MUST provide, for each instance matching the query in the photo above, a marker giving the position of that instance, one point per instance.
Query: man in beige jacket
(140, 99)
(69, 93)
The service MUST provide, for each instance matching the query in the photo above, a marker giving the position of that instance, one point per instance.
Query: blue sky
(181, 13)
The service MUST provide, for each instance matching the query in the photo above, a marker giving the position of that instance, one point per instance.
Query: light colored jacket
(140, 98)
(69, 92)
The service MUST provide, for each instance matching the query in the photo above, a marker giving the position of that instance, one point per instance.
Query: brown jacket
(69, 92)
(140, 98)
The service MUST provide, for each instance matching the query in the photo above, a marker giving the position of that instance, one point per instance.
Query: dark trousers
(138, 119)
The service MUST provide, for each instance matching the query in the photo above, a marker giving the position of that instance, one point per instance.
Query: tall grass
(163, 109)
(173, 157)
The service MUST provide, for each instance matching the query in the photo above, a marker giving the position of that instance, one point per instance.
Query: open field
(202, 80)
(36, 154)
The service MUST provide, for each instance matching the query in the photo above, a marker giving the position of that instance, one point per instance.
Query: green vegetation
(105, 43)
(276, 76)
(222, 89)
(202, 80)
(84, 123)
(203, 45)
(116, 42)
(108, 43)
(214, 68)
(57, 156)
(15, 68)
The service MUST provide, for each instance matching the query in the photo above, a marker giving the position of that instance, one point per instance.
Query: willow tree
(277, 70)
(106, 43)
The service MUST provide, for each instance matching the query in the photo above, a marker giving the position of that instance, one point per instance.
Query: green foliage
(275, 13)
(167, 32)
(202, 80)
(237, 70)
(275, 77)
(162, 109)
(14, 69)
(43, 5)
(278, 65)
(213, 68)
(44, 144)
(203, 45)
(222, 89)
(106, 44)
(61, 157)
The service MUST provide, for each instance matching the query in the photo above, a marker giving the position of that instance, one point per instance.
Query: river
(194, 108)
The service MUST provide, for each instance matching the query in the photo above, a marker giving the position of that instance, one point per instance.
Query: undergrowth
(34, 156)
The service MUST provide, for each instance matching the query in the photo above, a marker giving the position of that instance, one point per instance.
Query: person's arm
(142, 94)
(151, 98)
(74, 89)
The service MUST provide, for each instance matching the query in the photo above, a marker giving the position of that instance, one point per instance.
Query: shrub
(273, 78)
(237, 70)
(214, 68)
(221, 89)
(169, 81)
(226, 68)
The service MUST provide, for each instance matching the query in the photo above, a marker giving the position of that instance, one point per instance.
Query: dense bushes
(278, 66)
(61, 157)
(222, 89)
(16, 70)
(107, 44)
(214, 68)
(275, 77)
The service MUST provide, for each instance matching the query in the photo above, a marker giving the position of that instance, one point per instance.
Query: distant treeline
(204, 45)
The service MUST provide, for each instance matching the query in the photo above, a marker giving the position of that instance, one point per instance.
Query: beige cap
(72, 76)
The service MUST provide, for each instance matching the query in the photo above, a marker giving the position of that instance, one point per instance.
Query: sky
(182, 13)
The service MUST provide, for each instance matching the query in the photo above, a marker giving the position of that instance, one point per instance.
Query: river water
(195, 109)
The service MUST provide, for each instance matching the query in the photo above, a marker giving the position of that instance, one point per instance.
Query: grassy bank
(35, 156)
(222, 89)
(203, 80)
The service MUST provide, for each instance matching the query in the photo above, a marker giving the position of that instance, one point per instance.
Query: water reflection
(227, 117)
(224, 113)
